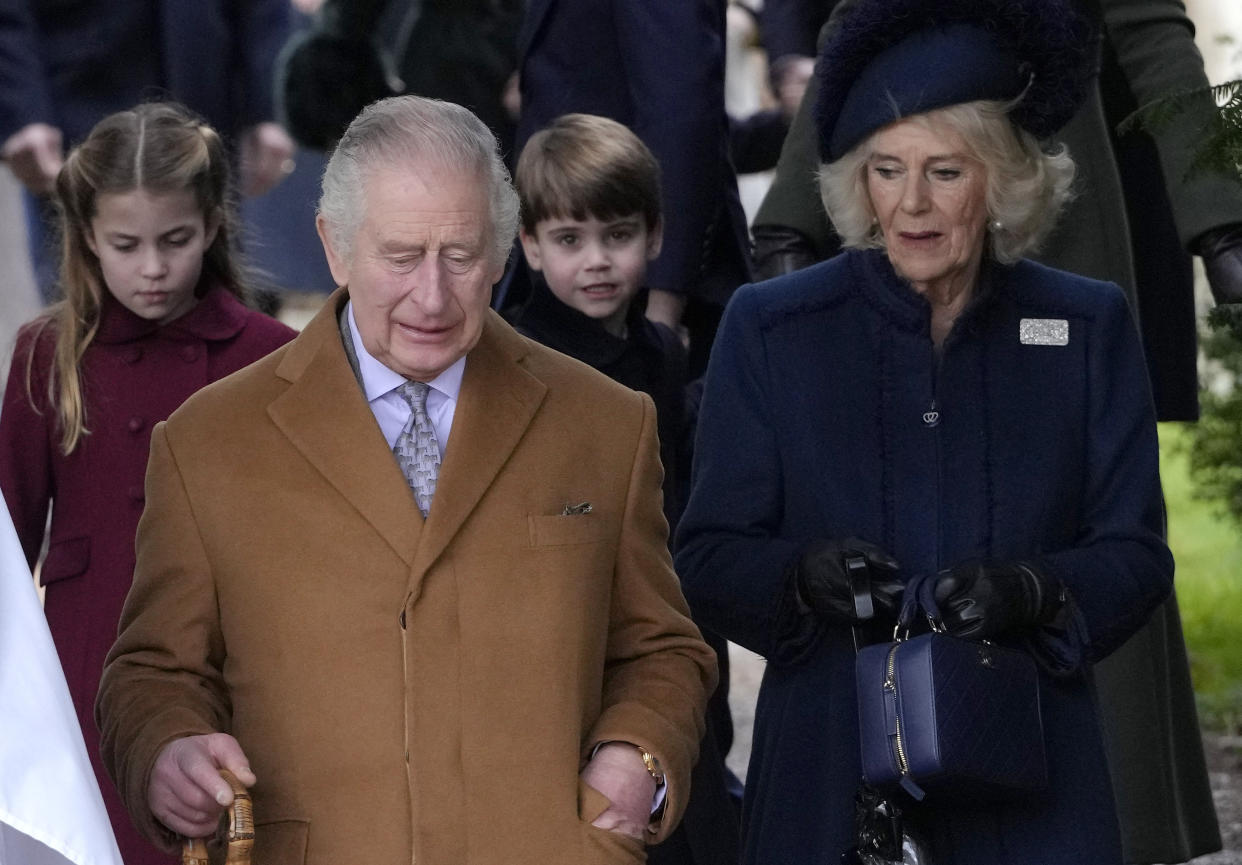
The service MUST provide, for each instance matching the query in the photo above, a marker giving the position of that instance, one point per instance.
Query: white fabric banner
(51, 812)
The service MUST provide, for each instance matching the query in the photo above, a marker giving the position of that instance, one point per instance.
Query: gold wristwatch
(652, 765)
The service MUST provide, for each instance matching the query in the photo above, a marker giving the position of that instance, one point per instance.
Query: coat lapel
(325, 416)
(498, 400)
(536, 11)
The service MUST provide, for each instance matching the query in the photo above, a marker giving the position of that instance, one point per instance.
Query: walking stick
(241, 830)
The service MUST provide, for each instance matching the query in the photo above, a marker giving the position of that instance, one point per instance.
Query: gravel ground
(1224, 756)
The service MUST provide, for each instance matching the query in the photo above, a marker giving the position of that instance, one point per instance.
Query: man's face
(421, 269)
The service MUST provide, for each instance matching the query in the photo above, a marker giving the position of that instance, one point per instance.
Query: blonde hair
(1025, 190)
(158, 147)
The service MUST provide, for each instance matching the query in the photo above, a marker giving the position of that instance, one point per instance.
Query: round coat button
(189, 353)
(133, 354)
(136, 493)
(135, 424)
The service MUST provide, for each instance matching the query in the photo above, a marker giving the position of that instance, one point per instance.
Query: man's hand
(790, 74)
(186, 792)
(618, 772)
(266, 157)
(1221, 250)
(665, 307)
(35, 154)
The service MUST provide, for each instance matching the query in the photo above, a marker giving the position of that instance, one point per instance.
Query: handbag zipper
(903, 765)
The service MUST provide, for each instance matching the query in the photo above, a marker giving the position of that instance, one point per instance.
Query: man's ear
(336, 262)
(530, 248)
(655, 240)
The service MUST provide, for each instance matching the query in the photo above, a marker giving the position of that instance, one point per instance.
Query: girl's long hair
(157, 147)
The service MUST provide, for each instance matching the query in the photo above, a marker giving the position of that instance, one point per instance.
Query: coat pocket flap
(280, 842)
(65, 559)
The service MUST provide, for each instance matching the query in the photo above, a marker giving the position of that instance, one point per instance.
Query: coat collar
(558, 325)
(893, 297)
(325, 415)
(217, 316)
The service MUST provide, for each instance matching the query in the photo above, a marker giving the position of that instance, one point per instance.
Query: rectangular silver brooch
(1043, 331)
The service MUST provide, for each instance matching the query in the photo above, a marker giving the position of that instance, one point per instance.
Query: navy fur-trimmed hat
(887, 59)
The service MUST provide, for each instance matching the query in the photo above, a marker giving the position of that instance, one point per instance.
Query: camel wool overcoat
(409, 690)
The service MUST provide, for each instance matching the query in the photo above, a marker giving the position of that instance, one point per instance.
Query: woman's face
(928, 197)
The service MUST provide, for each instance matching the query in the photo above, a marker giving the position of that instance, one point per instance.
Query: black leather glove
(981, 599)
(780, 249)
(1221, 250)
(848, 581)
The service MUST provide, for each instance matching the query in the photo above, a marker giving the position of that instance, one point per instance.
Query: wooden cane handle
(241, 829)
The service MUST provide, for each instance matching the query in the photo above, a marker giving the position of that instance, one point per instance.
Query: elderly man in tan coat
(407, 576)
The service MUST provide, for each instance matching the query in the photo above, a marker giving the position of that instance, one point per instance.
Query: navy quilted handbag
(948, 717)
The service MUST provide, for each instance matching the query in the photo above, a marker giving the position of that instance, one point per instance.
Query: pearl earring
(995, 225)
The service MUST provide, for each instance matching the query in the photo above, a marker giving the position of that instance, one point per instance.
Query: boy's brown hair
(582, 166)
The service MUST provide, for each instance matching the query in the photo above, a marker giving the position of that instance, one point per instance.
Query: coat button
(133, 354)
(189, 353)
(931, 418)
(136, 493)
(135, 424)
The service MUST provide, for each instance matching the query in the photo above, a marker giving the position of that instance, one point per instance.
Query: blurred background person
(65, 65)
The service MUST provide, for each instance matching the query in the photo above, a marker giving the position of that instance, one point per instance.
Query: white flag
(51, 812)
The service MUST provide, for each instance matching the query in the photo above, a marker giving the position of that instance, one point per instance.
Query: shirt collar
(378, 379)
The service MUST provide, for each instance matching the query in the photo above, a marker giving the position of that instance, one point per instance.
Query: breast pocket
(65, 559)
(565, 530)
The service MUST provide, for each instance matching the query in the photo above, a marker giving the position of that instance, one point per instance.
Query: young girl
(153, 310)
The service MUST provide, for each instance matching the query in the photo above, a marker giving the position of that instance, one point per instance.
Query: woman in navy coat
(931, 403)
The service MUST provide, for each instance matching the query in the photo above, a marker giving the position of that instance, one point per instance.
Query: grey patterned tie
(417, 450)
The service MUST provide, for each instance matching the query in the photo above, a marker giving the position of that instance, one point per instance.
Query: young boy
(591, 222)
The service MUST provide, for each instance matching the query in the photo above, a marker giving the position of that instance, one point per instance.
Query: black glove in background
(780, 250)
(829, 574)
(981, 599)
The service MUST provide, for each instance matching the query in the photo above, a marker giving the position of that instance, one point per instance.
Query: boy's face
(592, 265)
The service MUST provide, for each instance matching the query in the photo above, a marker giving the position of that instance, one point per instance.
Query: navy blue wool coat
(828, 413)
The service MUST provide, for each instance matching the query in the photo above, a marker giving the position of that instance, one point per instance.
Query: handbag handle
(241, 829)
(918, 597)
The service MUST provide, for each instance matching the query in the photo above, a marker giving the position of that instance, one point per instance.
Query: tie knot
(415, 394)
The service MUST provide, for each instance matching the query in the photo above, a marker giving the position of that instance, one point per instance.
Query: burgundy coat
(135, 373)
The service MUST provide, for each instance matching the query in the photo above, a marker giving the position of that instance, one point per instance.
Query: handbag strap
(918, 598)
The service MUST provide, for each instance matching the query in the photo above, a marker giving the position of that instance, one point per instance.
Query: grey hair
(411, 130)
(1025, 191)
